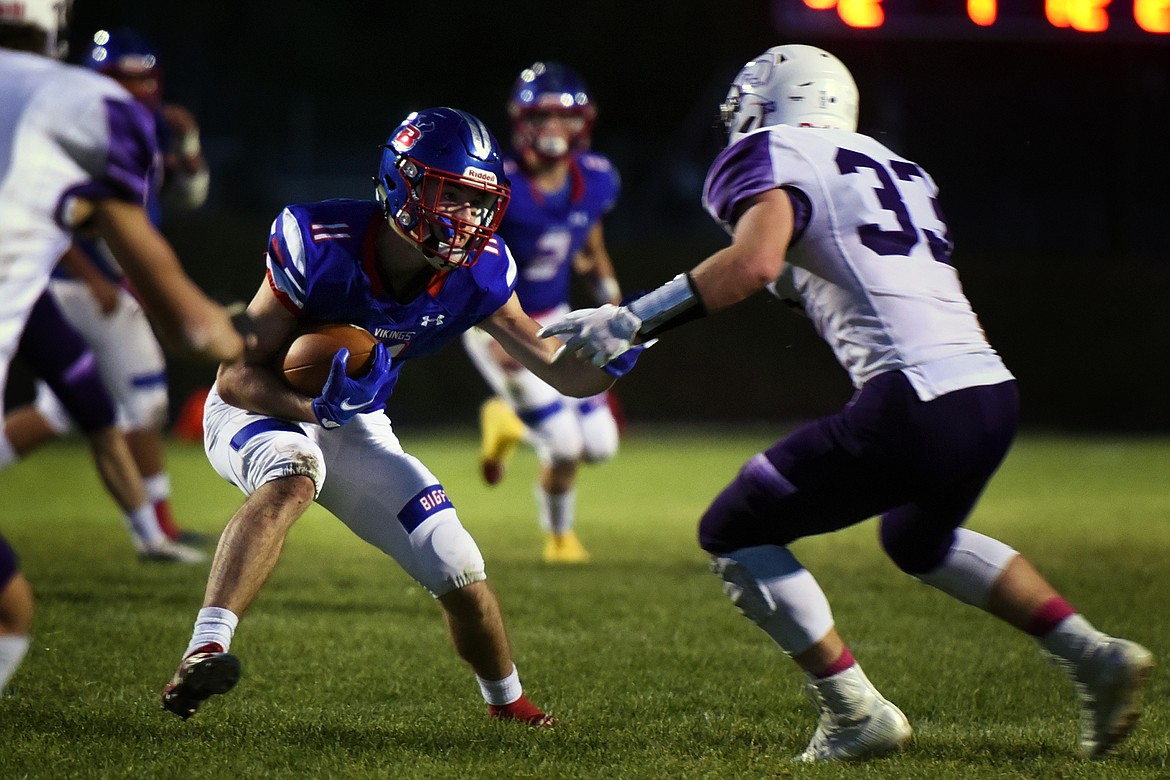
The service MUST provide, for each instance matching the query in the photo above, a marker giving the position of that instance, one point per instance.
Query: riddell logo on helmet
(479, 175)
(406, 138)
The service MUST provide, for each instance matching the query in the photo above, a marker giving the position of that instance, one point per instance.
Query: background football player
(560, 192)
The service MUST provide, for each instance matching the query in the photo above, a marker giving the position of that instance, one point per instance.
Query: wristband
(671, 305)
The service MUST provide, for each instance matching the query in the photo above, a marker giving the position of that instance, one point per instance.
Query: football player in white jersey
(91, 292)
(853, 233)
(75, 153)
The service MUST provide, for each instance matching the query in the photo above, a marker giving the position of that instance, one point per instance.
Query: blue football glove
(342, 397)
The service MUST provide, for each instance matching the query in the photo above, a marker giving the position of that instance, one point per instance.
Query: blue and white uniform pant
(362, 475)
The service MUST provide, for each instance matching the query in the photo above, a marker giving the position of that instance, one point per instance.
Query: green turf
(348, 672)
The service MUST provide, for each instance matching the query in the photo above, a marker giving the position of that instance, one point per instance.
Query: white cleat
(1109, 682)
(857, 723)
(167, 551)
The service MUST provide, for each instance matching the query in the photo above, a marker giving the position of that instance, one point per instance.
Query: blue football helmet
(437, 165)
(127, 57)
(547, 89)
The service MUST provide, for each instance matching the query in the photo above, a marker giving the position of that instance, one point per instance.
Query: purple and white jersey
(869, 261)
(321, 266)
(546, 231)
(65, 133)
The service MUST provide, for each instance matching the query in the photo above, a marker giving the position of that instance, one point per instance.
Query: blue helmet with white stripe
(441, 184)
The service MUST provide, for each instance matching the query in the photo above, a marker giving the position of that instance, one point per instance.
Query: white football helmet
(790, 85)
(50, 17)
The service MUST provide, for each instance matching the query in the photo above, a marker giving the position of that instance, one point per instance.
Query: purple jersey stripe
(740, 171)
(133, 148)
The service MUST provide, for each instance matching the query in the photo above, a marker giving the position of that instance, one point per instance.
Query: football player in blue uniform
(416, 267)
(852, 233)
(560, 193)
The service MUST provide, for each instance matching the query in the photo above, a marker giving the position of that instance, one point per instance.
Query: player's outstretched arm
(755, 257)
(188, 320)
(516, 333)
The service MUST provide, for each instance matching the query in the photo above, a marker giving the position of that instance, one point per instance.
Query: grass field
(348, 672)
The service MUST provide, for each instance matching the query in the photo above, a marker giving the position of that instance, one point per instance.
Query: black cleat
(207, 672)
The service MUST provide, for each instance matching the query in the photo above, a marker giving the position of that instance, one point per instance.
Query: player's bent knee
(146, 411)
(558, 438)
(445, 556)
(51, 411)
(733, 521)
(599, 433)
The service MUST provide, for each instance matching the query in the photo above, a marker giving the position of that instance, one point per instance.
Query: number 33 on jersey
(870, 247)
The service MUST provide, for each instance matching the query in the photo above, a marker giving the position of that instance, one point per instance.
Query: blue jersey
(546, 231)
(321, 266)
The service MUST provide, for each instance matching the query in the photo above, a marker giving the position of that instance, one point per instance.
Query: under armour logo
(428, 319)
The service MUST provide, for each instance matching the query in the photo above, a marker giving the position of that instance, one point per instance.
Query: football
(304, 362)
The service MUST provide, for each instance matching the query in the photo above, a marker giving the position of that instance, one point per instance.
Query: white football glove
(598, 335)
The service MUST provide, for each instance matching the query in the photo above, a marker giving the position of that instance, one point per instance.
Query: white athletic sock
(556, 511)
(12, 650)
(7, 453)
(213, 624)
(1072, 639)
(501, 692)
(143, 524)
(158, 487)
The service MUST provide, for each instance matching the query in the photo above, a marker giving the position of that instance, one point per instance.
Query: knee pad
(770, 587)
(445, 557)
(971, 567)
(50, 408)
(732, 522)
(556, 435)
(599, 431)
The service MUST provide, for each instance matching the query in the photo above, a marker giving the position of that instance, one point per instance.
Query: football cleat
(857, 723)
(523, 711)
(1109, 683)
(564, 548)
(206, 672)
(167, 551)
(501, 431)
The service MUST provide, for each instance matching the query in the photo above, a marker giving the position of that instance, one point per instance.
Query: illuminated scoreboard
(1116, 20)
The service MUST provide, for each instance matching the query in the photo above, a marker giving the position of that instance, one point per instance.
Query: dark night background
(1051, 155)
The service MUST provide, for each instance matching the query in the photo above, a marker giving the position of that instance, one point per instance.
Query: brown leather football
(305, 362)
